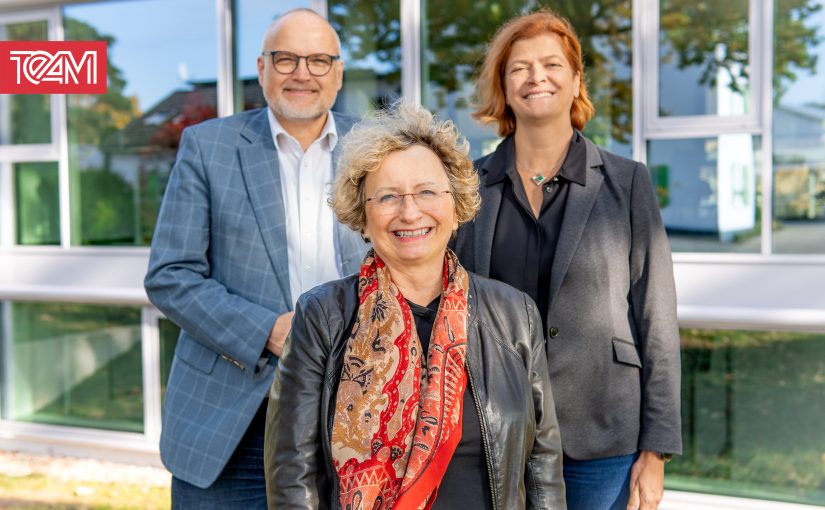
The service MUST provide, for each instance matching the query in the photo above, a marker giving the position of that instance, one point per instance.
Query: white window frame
(40, 151)
(27, 153)
(696, 126)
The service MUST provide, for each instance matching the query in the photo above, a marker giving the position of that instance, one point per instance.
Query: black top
(523, 245)
(465, 484)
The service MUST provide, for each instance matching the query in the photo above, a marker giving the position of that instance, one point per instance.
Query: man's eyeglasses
(389, 203)
(286, 62)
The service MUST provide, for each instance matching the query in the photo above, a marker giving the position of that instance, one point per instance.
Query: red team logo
(52, 67)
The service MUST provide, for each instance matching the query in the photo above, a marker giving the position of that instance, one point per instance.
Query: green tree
(457, 34)
(94, 118)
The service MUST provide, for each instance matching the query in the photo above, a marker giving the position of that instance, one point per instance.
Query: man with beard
(244, 229)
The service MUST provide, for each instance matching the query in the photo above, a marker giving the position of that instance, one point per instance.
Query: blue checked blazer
(218, 268)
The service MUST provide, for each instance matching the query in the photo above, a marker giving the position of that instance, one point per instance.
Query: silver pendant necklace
(538, 179)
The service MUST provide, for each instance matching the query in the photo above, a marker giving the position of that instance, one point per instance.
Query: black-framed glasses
(286, 62)
(426, 200)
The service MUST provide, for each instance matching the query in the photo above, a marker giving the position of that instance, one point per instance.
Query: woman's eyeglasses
(425, 200)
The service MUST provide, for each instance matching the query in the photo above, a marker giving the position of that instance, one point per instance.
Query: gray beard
(284, 109)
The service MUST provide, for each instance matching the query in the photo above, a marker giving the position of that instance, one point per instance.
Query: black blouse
(465, 483)
(524, 246)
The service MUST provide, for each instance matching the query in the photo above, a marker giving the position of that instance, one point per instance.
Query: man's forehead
(303, 30)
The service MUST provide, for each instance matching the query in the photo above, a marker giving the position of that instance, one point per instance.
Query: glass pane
(169, 333)
(709, 192)
(752, 415)
(122, 144)
(370, 34)
(25, 118)
(77, 365)
(703, 58)
(252, 18)
(799, 127)
(455, 38)
(37, 203)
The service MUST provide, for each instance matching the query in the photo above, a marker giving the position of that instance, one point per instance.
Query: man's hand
(277, 336)
(647, 482)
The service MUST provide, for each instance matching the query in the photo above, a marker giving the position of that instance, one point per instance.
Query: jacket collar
(579, 204)
(262, 177)
(503, 161)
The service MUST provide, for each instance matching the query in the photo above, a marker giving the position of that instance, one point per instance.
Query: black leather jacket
(507, 368)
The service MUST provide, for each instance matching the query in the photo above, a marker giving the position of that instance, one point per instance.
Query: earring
(365, 238)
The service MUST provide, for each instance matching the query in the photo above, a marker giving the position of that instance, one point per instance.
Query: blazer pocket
(191, 352)
(626, 353)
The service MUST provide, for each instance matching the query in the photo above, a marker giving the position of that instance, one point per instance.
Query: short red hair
(492, 105)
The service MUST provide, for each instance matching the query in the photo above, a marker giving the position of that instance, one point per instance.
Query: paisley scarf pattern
(397, 418)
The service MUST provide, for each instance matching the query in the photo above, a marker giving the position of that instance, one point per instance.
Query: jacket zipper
(484, 439)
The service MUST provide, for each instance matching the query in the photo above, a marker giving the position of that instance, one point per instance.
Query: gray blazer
(612, 335)
(218, 268)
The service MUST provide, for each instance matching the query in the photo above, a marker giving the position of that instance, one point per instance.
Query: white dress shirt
(306, 178)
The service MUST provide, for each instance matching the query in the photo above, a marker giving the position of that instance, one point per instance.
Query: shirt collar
(572, 169)
(281, 137)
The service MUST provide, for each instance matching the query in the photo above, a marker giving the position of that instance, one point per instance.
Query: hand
(647, 482)
(277, 336)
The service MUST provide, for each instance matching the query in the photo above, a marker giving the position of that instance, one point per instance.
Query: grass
(37, 491)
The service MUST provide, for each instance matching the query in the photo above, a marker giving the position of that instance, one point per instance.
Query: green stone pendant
(538, 179)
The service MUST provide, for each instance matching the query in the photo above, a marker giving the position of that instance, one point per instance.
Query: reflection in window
(169, 333)
(370, 34)
(799, 127)
(25, 118)
(455, 38)
(708, 191)
(74, 364)
(752, 415)
(252, 18)
(122, 144)
(703, 58)
(37, 203)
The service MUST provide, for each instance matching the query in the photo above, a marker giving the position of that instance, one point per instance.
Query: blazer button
(554, 332)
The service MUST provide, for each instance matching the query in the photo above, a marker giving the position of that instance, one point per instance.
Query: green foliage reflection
(752, 425)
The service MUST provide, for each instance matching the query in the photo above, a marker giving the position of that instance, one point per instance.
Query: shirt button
(554, 332)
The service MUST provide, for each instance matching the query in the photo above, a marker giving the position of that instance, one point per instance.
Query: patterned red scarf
(396, 426)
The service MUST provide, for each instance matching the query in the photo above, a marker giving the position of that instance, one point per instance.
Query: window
(74, 364)
(122, 144)
(25, 119)
(751, 419)
(703, 58)
(799, 127)
(708, 190)
(37, 203)
(370, 35)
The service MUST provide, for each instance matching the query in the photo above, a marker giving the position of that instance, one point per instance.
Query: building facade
(724, 101)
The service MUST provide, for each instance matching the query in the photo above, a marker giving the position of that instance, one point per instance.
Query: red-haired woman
(578, 229)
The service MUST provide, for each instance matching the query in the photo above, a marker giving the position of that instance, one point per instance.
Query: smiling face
(299, 96)
(539, 81)
(410, 237)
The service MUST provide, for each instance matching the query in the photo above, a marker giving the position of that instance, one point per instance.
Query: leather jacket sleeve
(292, 441)
(544, 481)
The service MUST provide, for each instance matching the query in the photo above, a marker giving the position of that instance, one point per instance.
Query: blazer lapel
(576, 213)
(262, 177)
(484, 226)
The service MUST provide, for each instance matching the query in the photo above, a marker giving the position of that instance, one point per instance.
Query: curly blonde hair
(399, 127)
